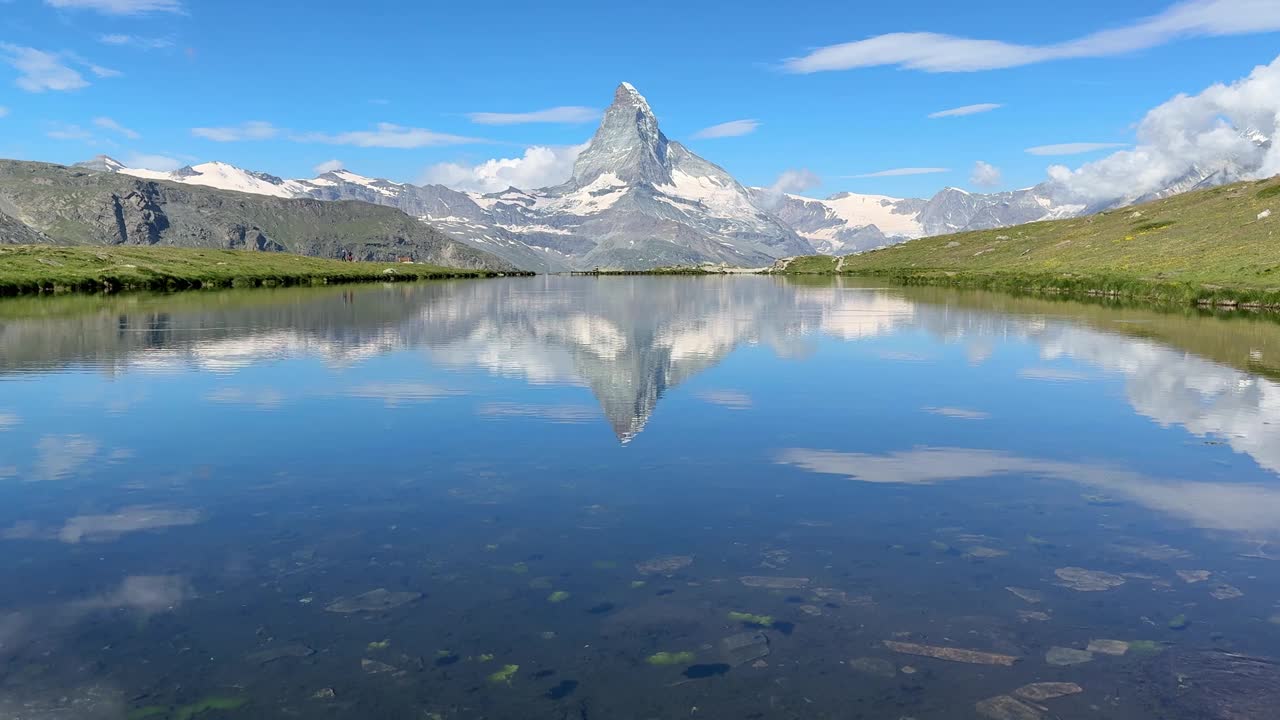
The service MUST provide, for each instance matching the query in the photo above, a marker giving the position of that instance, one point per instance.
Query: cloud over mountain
(1225, 128)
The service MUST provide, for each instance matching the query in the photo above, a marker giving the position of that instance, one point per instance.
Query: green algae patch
(150, 711)
(380, 645)
(671, 658)
(558, 596)
(750, 619)
(604, 565)
(637, 584)
(504, 675)
(209, 704)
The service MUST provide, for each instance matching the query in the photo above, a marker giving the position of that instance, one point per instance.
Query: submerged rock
(1109, 647)
(874, 666)
(1004, 707)
(373, 667)
(1042, 691)
(373, 601)
(1061, 656)
(1031, 596)
(1226, 592)
(1084, 580)
(1215, 685)
(744, 647)
(774, 583)
(973, 657)
(279, 652)
(668, 565)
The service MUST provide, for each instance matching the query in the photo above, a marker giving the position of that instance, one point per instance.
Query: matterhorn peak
(626, 94)
(628, 144)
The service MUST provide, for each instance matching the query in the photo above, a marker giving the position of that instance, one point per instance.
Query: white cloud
(984, 174)
(966, 110)
(40, 70)
(935, 52)
(145, 593)
(387, 135)
(253, 130)
(563, 114)
(103, 72)
(328, 166)
(1078, 148)
(792, 181)
(899, 172)
(162, 163)
(69, 132)
(107, 123)
(1188, 134)
(58, 456)
(119, 7)
(137, 41)
(733, 128)
(539, 167)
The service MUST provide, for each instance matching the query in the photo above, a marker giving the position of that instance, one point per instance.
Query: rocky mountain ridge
(40, 202)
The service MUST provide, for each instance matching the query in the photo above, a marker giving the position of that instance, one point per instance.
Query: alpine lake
(587, 498)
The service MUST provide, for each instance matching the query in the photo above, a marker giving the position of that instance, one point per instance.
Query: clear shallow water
(193, 486)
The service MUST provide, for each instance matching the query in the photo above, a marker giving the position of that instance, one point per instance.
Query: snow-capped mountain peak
(628, 144)
(102, 163)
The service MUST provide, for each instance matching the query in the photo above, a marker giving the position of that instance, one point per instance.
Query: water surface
(545, 482)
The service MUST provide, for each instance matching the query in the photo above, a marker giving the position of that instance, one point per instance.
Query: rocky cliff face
(50, 203)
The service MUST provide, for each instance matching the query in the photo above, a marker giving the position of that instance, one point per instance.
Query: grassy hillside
(1208, 246)
(41, 268)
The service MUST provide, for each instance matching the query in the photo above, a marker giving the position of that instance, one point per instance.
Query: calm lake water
(509, 498)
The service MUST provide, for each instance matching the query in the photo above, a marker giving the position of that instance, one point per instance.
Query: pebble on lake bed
(373, 601)
(1083, 580)
(774, 583)
(1193, 576)
(1061, 656)
(1041, 691)
(1109, 647)
(972, 657)
(668, 565)
(1004, 707)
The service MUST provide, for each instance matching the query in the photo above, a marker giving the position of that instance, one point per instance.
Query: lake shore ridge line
(1217, 247)
(45, 269)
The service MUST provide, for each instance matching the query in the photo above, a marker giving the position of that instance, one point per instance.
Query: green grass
(1204, 247)
(29, 269)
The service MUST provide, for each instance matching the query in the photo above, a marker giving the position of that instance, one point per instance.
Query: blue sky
(389, 89)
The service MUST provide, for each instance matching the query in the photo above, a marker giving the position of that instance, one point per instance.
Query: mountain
(40, 202)
(637, 200)
(848, 222)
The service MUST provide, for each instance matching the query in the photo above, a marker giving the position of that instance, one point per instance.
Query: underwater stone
(1047, 690)
(373, 601)
(1083, 580)
(972, 657)
(744, 647)
(1061, 656)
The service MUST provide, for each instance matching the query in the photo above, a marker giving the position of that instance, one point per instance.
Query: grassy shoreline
(1218, 247)
(1080, 286)
(44, 269)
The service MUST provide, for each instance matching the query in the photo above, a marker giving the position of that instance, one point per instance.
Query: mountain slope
(1226, 236)
(74, 206)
